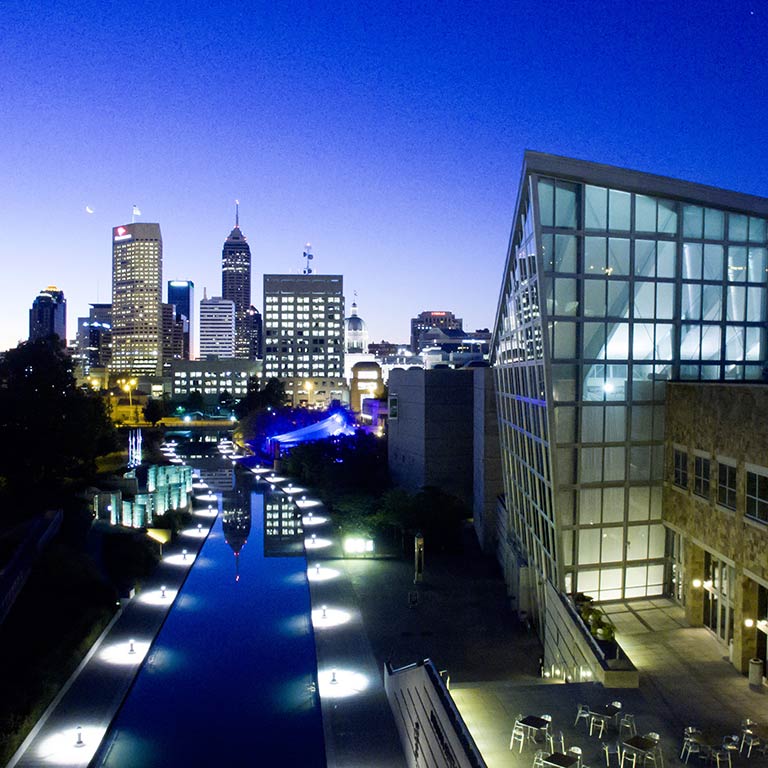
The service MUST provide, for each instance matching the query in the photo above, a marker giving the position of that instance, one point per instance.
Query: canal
(231, 677)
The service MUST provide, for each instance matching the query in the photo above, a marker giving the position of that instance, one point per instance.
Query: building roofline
(600, 174)
(641, 182)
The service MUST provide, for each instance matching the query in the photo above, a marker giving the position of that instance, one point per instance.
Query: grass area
(60, 612)
(111, 463)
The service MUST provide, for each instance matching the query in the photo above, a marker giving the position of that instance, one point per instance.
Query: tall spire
(237, 214)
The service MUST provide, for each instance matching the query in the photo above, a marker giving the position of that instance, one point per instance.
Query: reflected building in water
(283, 530)
(236, 524)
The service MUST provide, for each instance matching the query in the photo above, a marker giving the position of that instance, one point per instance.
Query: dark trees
(52, 431)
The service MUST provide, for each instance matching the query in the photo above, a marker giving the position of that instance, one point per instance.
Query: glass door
(718, 597)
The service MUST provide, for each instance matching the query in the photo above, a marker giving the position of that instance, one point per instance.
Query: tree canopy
(52, 430)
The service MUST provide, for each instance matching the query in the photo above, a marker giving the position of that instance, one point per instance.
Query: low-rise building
(212, 378)
(715, 511)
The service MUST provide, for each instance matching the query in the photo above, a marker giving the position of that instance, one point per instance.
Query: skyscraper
(616, 282)
(255, 330)
(217, 328)
(94, 338)
(137, 272)
(48, 315)
(181, 293)
(304, 334)
(236, 284)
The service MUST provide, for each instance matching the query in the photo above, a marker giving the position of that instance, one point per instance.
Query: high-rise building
(48, 316)
(137, 273)
(173, 335)
(432, 319)
(616, 282)
(217, 328)
(255, 332)
(236, 285)
(94, 338)
(304, 334)
(181, 293)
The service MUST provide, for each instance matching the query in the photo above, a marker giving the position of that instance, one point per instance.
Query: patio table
(640, 744)
(533, 725)
(559, 760)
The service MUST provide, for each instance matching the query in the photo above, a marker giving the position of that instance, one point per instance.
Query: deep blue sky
(389, 135)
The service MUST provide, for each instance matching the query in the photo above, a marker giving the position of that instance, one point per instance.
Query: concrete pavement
(71, 729)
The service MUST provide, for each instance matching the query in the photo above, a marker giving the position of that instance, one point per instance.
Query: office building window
(757, 496)
(701, 476)
(680, 477)
(726, 485)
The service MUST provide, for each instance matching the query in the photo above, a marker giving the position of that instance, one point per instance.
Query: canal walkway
(72, 727)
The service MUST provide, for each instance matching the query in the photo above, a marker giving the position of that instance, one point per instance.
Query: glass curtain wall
(634, 290)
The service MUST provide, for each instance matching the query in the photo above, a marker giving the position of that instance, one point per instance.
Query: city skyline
(388, 138)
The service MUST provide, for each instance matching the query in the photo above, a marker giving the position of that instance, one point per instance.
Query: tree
(195, 401)
(154, 410)
(52, 430)
(272, 395)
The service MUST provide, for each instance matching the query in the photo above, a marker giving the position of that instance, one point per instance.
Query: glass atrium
(616, 282)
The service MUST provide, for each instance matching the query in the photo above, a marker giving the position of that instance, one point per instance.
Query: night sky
(388, 135)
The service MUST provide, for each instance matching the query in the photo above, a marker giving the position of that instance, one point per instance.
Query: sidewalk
(88, 702)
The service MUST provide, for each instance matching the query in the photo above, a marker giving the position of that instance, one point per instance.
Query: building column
(744, 638)
(693, 559)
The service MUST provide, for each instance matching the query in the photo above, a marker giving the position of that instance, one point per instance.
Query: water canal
(230, 679)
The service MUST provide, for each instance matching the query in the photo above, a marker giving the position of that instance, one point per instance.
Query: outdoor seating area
(748, 742)
(605, 731)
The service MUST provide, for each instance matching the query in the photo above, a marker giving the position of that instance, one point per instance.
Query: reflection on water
(219, 479)
(236, 524)
(283, 532)
(232, 677)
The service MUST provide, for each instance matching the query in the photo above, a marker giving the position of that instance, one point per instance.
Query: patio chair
(596, 721)
(630, 756)
(538, 758)
(556, 742)
(718, 756)
(577, 753)
(690, 747)
(748, 739)
(582, 714)
(627, 723)
(654, 756)
(518, 736)
(611, 748)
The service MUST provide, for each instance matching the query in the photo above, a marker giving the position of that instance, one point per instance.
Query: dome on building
(355, 333)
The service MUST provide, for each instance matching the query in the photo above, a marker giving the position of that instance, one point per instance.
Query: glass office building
(616, 282)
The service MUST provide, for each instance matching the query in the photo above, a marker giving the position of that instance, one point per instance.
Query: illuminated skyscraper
(48, 315)
(137, 271)
(304, 335)
(236, 285)
(181, 293)
(217, 328)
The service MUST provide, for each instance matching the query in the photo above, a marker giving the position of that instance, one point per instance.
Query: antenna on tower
(237, 214)
(308, 256)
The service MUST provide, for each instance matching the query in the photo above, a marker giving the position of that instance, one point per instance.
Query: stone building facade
(715, 509)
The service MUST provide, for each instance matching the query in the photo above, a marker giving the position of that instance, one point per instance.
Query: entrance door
(718, 597)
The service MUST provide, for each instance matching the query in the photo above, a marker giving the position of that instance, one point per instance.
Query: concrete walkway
(462, 621)
(71, 729)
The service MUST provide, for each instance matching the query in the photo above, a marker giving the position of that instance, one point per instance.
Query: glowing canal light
(340, 683)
